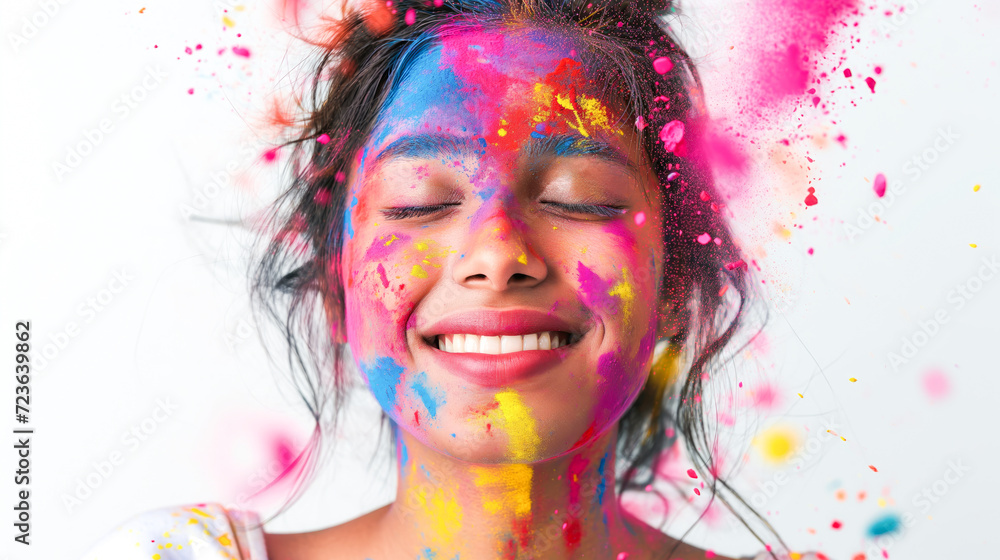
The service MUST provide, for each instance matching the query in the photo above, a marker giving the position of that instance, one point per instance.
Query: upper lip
(500, 322)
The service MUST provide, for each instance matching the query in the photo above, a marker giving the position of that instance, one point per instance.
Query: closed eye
(600, 210)
(404, 212)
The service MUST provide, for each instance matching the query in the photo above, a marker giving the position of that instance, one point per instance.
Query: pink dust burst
(411, 17)
(871, 83)
(640, 123)
(241, 51)
(936, 384)
(879, 185)
(663, 64)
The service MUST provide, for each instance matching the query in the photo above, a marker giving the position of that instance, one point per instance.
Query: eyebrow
(433, 146)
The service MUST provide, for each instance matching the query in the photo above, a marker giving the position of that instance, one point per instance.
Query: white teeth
(489, 345)
(506, 344)
(510, 344)
(544, 342)
(531, 341)
(472, 343)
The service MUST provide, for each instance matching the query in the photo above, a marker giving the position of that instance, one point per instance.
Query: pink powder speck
(241, 51)
(640, 123)
(698, 492)
(709, 554)
(879, 185)
(271, 154)
(640, 218)
(936, 384)
(704, 238)
(188, 50)
(663, 64)
(847, 72)
(692, 473)
(190, 91)
(323, 138)
(411, 17)
(811, 199)
(871, 83)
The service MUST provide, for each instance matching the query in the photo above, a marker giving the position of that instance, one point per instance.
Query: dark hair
(704, 287)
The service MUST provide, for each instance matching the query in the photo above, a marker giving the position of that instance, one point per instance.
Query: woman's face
(501, 257)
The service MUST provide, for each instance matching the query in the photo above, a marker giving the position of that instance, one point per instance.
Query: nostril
(518, 277)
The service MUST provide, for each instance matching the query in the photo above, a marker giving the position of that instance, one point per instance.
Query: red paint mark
(871, 83)
(416, 416)
(836, 524)
(381, 274)
(698, 492)
(872, 467)
(488, 427)
(571, 534)
(270, 155)
(810, 251)
(847, 72)
(704, 196)
(587, 435)
(879, 185)
(811, 199)
(692, 473)
(241, 51)
(736, 264)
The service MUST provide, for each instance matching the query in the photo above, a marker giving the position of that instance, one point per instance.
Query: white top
(210, 532)
(193, 532)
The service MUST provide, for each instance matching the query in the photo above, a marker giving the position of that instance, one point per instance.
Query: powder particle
(663, 64)
(879, 185)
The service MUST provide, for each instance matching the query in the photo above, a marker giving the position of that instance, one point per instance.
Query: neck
(561, 508)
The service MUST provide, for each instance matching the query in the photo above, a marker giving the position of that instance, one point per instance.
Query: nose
(497, 256)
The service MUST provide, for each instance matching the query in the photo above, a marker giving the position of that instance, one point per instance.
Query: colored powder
(884, 525)
(811, 199)
(347, 217)
(871, 83)
(382, 276)
(777, 443)
(431, 397)
(381, 248)
(384, 374)
(936, 384)
(323, 138)
(704, 238)
(411, 16)
(520, 426)
(663, 64)
(625, 292)
(640, 218)
(418, 271)
(602, 485)
(509, 489)
(594, 288)
(241, 51)
(879, 185)
(671, 135)
(443, 511)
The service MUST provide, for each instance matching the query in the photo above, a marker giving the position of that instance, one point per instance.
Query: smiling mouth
(502, 344)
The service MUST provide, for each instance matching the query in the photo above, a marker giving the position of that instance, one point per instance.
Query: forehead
(495, 83)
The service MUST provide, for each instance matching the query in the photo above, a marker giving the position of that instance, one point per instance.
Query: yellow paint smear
(508, 488)
(444, 512)
(625, 291)
(418, 271)
(523, 440)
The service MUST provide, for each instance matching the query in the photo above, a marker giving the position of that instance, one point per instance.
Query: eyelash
(600, 210)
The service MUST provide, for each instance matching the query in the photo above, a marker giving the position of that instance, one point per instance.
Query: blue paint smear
(404, 454)
(889, 523)
(603, 484)
(427, 473)
(429, 554)
(428, 395)
(383, 376)
(482, 142)
(347, 217)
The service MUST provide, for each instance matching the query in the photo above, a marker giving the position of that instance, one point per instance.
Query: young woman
(503, 218)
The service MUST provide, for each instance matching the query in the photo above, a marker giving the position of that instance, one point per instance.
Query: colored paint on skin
(431, 397)
(507, 489)
(347, 217)
(384, 374)
(444, 512)
(624, 290)
(382, 248)
(382, 276)
(602, 485)
(523, 440)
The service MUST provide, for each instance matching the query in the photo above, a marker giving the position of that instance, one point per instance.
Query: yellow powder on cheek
(625, 291)
(517, 421)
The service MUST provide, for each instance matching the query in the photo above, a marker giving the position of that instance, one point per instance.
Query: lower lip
(499, 370)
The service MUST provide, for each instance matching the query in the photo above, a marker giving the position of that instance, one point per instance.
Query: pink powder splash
(879, 185)
(411, 17)
(663, 64)
(936, 384)
(871, 83)
(241, 51)
(671, 135)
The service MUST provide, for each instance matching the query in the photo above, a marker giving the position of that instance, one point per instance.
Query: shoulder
(190, 532)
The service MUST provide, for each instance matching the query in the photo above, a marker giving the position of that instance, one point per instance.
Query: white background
(179, 332)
